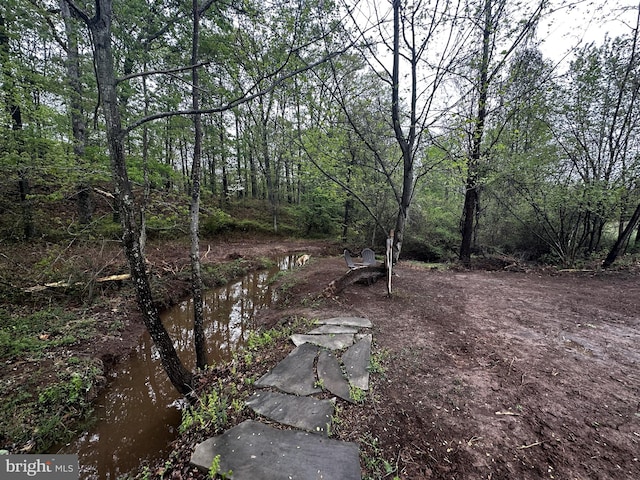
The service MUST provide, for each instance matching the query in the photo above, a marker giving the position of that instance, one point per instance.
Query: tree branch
(245, 98)
(79, 13)
(161, 72)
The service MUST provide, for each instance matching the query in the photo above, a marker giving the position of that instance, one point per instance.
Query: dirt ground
(493, 374)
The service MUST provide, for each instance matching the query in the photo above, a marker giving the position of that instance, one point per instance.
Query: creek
(139, 412)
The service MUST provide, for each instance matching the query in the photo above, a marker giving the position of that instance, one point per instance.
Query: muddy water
(139, 413)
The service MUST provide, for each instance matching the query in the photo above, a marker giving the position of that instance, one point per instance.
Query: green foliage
(214, 470)
(252, 226)
(49, 414)
(378, 360)
(45, 414)
(210, 412)
(217, 222)
(319, 214)
(257, 341)
(69, 392)
(376, 466)
(357, 394)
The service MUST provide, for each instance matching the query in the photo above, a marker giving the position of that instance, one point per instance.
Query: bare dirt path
(493, 375)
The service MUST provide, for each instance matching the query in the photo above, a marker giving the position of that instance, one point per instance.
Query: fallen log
(114, 278)
(63, 284)
(367, 274)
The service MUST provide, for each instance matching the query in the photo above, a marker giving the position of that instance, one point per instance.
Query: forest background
(448, 122)
(336, 118)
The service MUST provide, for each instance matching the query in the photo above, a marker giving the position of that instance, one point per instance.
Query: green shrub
(217, 222)
(209, 413)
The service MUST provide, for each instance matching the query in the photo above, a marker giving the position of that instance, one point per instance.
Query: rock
(253, 451)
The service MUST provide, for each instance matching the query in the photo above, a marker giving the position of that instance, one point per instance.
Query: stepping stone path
(253, 450)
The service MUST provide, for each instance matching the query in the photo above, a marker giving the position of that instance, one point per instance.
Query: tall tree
(76, 113)
(498, 30)
(99, 25)
(624, 134)
(424, 44)
(598, 131)
(16, 137)
(196, 277)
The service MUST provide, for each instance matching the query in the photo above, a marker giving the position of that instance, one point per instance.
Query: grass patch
(373, 460)
(44, 394)
(260, 340)
(39, 331)
(49, 407)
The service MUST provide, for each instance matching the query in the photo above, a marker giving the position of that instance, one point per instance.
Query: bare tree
(415, 81)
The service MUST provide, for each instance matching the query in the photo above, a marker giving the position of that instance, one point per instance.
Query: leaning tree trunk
(100, 27)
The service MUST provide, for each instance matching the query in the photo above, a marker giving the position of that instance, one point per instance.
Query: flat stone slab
(331, 376)
(332, 329)
(295, 374)
(332, 341)
(252, 451)
(356, 362)
(346, 322)
(306, 413)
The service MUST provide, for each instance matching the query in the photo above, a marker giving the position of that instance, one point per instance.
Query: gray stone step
(323, 329)
(295, 374)
(331, 341)
(356, 362)
(346, 322)
(306, 413)
(331, 377)
(253, 451)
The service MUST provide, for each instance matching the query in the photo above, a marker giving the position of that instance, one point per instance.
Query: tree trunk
(145, 169)
(348, 203)
(223, 160)
(407, 142)
(83, 188)
(15, 112)
(100, 27)
(196, 277)
(253, 173)
(266, 155)
(622, 239)
(471, 197)
(240, 189)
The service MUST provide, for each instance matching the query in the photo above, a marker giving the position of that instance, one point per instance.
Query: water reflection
(138, 414)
